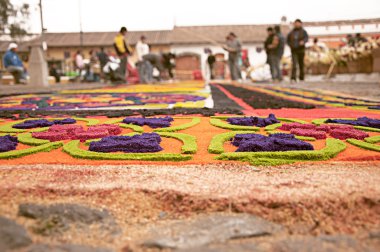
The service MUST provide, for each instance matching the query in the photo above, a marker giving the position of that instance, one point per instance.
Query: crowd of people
(275, 45)
(351, 48)
(147, 61)
(116, 67)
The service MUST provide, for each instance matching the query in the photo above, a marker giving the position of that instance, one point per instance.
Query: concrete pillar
(38, 69)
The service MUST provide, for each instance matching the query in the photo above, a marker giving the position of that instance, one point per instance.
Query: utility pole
(80, 24)
(43, 29)
(38, 68)
(42, 18)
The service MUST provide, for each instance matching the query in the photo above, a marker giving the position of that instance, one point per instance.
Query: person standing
(122, 50)
(211, 61)
(271, 45)
(168, 61)
(233, 47)
(54, 72)
(350, 40)
(144, 67)
(103, 59)
(79, 63)
(280, 49)
(13, 64)
(297, 38)
(360, 39)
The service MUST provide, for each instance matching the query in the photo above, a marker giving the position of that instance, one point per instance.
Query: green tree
(14, 19)
(6, 10)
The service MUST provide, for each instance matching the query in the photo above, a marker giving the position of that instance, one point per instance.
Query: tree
(6, 9)
(14, 19)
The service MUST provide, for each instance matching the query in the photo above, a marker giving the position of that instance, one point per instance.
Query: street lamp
(43, 29)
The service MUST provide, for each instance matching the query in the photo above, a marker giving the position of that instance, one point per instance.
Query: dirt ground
(324, 198)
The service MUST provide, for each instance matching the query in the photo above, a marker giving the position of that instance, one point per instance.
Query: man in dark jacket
(211, 61)
(296, 40)
(103, 58)
(271, 45)
(163, 62)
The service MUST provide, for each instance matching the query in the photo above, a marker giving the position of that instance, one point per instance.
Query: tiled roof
(4, 46)
(179, 35)
(344, 22)
(205, 34)
(103, 38)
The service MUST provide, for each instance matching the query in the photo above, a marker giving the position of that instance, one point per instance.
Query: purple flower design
(239, 138)
(253, 121)
(361, 121)
(8, 143)
(158, 122)
(30, 124)
(146, 142)
(65, 121)
(275, 142)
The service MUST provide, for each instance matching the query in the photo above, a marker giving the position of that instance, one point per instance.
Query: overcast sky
(110, 15)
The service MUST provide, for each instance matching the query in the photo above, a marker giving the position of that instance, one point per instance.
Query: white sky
(110, 15)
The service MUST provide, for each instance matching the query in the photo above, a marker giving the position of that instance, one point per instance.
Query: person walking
(14, 65)
(211, 61)
(297, 38)
(122, 50)
(144, 67)
(233, 47)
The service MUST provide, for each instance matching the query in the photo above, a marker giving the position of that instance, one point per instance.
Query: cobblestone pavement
(362, 90)
(365, 90)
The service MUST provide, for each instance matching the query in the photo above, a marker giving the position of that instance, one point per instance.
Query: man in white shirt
(144, 66)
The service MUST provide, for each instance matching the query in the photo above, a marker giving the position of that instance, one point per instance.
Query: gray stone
(323, 243)
(57, 218)
(12, 235)
(162, 215)
(319, 244)
(50, 226)
(206, 229)
(249, 247)
(374, 234)
(65, 248)
(70, 212)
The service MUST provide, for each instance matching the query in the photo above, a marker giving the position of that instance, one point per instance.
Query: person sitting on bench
(13, 64)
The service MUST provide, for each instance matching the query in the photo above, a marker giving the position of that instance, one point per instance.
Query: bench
(6, 78)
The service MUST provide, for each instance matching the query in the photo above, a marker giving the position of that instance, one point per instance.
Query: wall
(256, 59)
(343, 29)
